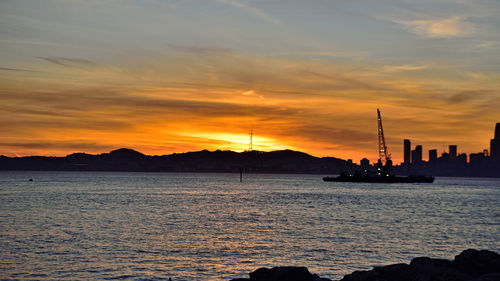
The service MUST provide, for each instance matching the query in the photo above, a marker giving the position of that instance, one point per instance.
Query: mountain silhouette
(124, 159)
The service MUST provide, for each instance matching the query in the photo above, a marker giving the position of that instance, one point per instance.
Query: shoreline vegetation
(470, 265)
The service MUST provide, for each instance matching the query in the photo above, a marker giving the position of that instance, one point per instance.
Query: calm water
(152, 226)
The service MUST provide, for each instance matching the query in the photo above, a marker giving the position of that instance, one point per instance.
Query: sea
(202, 226)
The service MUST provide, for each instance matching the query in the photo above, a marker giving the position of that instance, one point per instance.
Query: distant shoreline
(127, 160)
(251, 162)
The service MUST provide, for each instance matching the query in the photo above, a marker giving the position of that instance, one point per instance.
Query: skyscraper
(416, 155)
(495, 144)
(365, 163)
(407, 152)
(453, 151)
(433, 155)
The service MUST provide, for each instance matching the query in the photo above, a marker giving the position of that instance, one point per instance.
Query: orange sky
(61, 95)
(212, 102)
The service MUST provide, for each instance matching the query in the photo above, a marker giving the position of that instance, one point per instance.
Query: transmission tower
(250, 146)
(383, 155)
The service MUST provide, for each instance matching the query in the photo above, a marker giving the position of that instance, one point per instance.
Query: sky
(177, 76)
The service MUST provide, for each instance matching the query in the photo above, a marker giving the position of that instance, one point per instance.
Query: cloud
(109, 106)
(68, 61)
(255, 11)
(317, 106)
(340, 54)
(199, 50)
(405, 67)
(16, 69)
(486, 44)
(57, 144)
(41, 43)
(439, 28)
(469, 96)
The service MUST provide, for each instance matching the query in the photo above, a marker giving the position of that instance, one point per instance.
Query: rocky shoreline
(470, 265)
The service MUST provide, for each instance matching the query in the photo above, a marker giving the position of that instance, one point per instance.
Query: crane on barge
(382, 148)
(384, 167)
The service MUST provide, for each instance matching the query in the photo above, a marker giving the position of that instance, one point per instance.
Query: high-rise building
(495, 144)
(407, 152)
(418, 148)
(433, 155)
(365, 163)
(416, 155)
(453, 151)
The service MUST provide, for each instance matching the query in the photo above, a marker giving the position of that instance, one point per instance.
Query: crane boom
(383, 155)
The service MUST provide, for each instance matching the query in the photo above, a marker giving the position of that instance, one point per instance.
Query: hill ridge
(126, 159)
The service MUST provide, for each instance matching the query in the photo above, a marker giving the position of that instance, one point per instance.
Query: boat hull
(409, 179)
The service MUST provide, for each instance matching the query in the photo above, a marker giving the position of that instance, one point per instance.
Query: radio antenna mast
(250, 146)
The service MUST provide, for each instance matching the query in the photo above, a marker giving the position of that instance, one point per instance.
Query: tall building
(495, 144)
(416, 155)
(433, 155)
(407, 152)
(365, 163)
(453, 151)
(418, 148)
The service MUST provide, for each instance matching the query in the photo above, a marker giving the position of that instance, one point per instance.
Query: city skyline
(453, 151)
(176, 76)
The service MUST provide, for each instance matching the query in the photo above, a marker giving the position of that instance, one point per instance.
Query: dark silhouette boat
(383, 173)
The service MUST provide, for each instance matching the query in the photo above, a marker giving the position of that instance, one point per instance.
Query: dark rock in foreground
(284, 273)
(470, 265)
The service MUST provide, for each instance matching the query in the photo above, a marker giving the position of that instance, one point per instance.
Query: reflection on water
(212, 227)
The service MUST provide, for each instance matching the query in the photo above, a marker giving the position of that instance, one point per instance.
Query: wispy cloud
(486, 44)
(57, 144)
(16, 69)
(439, 28)
(319, 106)
(68, 61)
(253, 10)
(199, 50)
(466, 96)
(405, 67)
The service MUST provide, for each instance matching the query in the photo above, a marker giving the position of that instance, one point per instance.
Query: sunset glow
(93, 76)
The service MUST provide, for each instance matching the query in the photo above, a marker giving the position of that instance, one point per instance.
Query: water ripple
(140, 226)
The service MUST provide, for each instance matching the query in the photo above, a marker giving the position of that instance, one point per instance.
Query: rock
(287, 273)
(363, 276)
(425, 268)
(470, 265)
(476, 263)
(393, 272)
(428, 261)
(488, 277)
(284, 273)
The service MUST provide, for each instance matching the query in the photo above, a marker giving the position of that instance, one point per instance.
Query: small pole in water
(241, 174)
